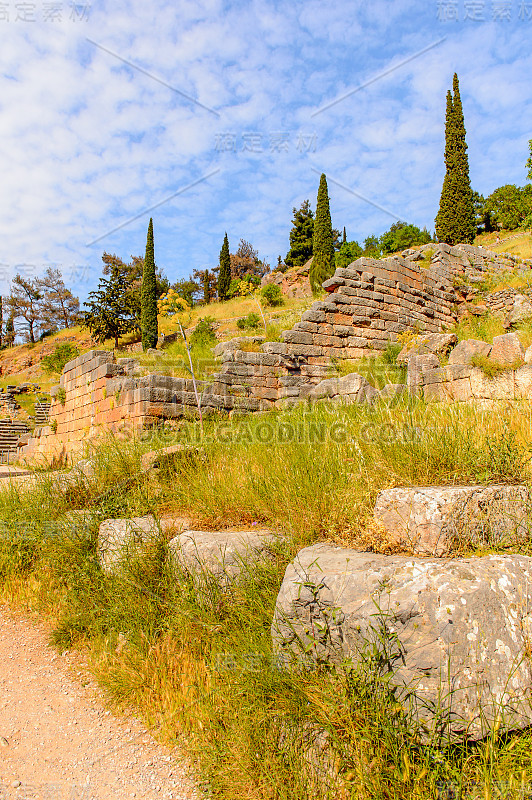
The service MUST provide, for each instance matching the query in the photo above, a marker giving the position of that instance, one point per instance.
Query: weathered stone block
(507, 350)
(464, 351)
(434, 520)
(459, 630)
(119, 539)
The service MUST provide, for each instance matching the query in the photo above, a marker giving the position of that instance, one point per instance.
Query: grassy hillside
(199, 666)
(518, 243)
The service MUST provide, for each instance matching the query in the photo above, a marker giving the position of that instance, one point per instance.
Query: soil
(59, 741)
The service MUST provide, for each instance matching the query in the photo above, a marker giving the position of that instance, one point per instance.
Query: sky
(217, 116)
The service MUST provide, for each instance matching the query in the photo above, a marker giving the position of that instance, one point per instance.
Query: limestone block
(507, 349)
(222, 556)
(464, 351)
(434, 520)
(462, 624)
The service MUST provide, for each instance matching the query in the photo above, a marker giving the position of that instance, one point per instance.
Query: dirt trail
(58, 741)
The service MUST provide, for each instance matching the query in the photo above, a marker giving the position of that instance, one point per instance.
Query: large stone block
(507, 350)
(464, 351)
(222, 556)
(456, 635)
(434, 520)
(119, 539)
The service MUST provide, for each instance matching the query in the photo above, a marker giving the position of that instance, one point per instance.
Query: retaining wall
(369, 304)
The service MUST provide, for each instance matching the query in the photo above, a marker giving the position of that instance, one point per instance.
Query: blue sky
(89, 143)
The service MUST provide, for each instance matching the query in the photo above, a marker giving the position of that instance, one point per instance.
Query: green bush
(203, 334)
(55, 362)
(251, 322)
(272, 295)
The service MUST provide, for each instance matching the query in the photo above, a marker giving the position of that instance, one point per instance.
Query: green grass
(200, 669)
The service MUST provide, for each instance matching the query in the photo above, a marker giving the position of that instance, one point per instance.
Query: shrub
(55, 362)
(272, 295)
(203, 334)
(252, 321)
(392, 351)
(61, 396)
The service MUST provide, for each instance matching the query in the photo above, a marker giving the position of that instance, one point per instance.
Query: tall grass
(200, 667)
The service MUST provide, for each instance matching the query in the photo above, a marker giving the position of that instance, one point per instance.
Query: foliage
(492, 368)
(186, 288)
(111, 310)
(224, 273)
(55, 362)
(456, 219)
(208, 283)
(246, 262)
(529, 161)
(348, 252)
(132, 279)
(372, 247)
(402, 236)
(272, 295)
(59, 306)
(301, 236)
(172, 303)
(508, 206)
(61, 395)
(251, 321)
(42, 303)
(241, 287)
(148, 296)
(25, 301)
(203, 334)
(323, 247)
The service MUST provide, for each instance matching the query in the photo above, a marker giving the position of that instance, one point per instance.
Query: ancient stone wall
(369, 304)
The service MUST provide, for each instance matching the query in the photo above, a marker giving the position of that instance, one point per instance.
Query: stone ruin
(368, 305)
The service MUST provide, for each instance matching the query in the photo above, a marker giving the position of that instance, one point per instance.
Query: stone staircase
(10, 433)
(42, 412)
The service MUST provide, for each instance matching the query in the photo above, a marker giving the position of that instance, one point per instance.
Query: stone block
(435, 520)
(465, 623)
(120, 539)
(507, 350)
(465, 350)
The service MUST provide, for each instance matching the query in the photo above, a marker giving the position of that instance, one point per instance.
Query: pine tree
(224, 274)
(344, 237)
(301, 236)
(110, 313)
(148, 296)
(323, 245)
(456, 220)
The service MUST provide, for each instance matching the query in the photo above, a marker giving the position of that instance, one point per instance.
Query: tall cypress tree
(323, 246)
(456, 219)
(148, 296)
(224, 274)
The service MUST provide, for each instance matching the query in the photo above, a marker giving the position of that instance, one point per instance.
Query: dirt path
(58, 741)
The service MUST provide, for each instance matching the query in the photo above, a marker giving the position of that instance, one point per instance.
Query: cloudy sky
(219, 116)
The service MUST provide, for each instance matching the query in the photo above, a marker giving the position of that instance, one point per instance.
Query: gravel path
(58, 741)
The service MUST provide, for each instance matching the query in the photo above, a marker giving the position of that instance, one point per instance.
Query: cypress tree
(456, 219)
(224, 274)
(344, 237)
(323, 245)
(148, 296)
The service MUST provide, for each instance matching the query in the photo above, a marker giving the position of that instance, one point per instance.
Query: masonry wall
(369, 304)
